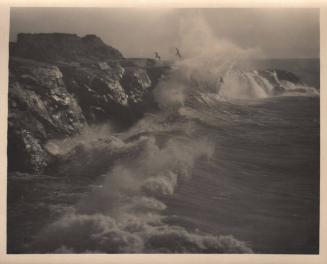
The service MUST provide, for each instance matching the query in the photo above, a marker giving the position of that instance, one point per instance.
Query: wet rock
(97, 91)
(278, 78)
(26, 152)
(117, 93)
(40, 108)
(275, 76)
(66, 83)
(136, 83)
(157, 72)
(288, 76)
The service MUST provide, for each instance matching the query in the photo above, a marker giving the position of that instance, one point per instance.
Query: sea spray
(132, 221)
(102, 234)
(142, 166)
(215, 65)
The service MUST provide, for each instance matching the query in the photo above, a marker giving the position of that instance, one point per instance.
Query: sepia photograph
(163, 130)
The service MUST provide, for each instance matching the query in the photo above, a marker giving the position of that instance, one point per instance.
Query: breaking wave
(227, 82)
(129, 218)
(98, 233)
(139, 168)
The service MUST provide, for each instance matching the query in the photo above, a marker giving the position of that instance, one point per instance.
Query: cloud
(281, 33)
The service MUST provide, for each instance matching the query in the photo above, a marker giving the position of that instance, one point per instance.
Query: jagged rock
(62, 47)
(70, 81)
(155, 69)
(288, 76)
(97, 91)
(276, 76)
(117, 93)
(136, 83)
(40, 108)
(29, 154)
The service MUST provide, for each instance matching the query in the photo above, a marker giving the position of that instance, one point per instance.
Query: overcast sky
(277, 33)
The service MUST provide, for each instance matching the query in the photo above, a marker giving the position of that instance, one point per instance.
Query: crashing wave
(226, 81)
(132, 221)
(80, 233)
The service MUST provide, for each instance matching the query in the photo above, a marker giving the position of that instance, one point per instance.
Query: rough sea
(226, 165)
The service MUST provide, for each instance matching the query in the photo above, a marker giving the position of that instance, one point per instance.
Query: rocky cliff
(60, 83)
(62, 47)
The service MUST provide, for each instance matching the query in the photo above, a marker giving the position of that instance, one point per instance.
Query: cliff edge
(60, 83)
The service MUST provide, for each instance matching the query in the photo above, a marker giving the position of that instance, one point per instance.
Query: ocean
(228, 164)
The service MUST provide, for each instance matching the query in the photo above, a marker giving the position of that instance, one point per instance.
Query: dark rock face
(109, 92)
(136, 82)
(40, 108)
(25, 152)
(62, 47)
(60, 83)
(99, 92)
(288, 76)
(275, 76)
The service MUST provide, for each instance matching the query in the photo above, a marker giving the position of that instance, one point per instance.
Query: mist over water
(218, 67)
(128, 217)
(206, 100)
(125, 214)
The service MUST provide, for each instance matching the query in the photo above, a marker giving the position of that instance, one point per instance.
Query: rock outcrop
(60, 83)
(275, 77)
(40, 108)
(111, 92)
(62, 47)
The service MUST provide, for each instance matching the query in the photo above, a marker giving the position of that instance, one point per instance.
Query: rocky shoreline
(61, 83)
